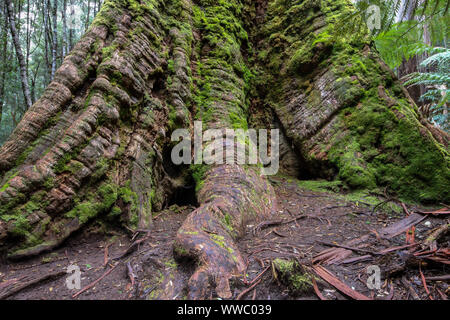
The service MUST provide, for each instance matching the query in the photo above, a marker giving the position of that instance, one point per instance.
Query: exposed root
(231, 198)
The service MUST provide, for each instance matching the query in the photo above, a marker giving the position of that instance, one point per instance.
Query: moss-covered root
(231, 197)
(293, 275)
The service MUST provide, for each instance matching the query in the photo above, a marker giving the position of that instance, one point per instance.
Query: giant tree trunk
(97, 143)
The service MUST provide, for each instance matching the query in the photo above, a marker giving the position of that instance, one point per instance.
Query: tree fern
(437, 83)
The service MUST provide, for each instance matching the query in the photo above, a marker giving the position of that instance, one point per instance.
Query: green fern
(437, 83)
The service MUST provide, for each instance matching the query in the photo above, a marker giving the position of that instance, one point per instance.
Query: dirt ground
(307, 223)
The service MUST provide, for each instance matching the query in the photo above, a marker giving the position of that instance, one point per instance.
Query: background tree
(36, 37)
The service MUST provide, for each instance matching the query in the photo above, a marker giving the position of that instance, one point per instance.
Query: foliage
(36, 42)
(437, 81)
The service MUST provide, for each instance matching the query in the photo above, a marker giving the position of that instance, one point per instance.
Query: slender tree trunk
(3, 60)
(88, 15)
(54, 37)
(65, 46)
(47, 40)
(71, 30)
(19, 53)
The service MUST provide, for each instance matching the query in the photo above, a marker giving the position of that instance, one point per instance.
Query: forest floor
(312, 226)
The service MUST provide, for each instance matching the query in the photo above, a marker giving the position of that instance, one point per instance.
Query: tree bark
(3, 59)
(88, 15)
(47, 39)
(54, 37)
(19, 54)
(65, 45)
(96, 143)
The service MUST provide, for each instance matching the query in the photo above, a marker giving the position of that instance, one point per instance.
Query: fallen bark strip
(388, 250)
(338, 284)
(331, 256)
(439, 278)
(51, 276)
(357, 259)
(9, 282)
(316, 289)
(95, 282)
(401, 226)
(329, 244)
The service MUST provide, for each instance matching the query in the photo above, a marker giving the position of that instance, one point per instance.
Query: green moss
(130, 198)
(220, 241)
(101, 167)
(97, 203)
(198, 174)
(171, 264)
(21, 225)
(228, 222)
(321, 185)
(179, 251)
(293, 276)
(49, 183)
(115, 212)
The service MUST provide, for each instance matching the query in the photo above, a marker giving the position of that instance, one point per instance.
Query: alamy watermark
(73, 281)
(374, 277)
(373, 18)
(227, 146)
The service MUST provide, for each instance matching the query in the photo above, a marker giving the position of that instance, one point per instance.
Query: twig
(243, 293)
(260, 275)
(311, 196)
(381, 203)
(438, 233)
(391, 293)
(411, 289)
(132, 247)
(316, 289)
(443, 295)
(349, 248)
(424, 282)
(384, 251)
(405, 209)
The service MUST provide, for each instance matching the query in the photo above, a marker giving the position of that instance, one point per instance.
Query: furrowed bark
(342, 108)
(78, 152)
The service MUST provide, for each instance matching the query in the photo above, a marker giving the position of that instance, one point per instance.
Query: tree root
(208, 235)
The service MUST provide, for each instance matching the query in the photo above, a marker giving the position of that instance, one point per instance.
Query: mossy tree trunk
(97, 142)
